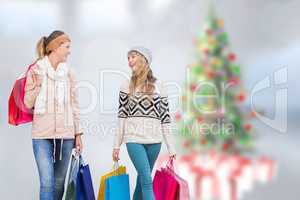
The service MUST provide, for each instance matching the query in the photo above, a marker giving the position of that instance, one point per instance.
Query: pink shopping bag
(165, 186)
(17, 111)
(184, 193)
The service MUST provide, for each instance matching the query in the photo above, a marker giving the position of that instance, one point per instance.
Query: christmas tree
(212, 116)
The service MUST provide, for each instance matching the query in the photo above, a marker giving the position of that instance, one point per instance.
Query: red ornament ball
(241, 97)
(234, 81)
(178, 116)
(248, 127)
(211, 74)
(193, 87)
(225, 146)
(231, 57)
(200, 119)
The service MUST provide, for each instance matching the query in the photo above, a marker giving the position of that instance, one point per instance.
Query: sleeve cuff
(76, 134)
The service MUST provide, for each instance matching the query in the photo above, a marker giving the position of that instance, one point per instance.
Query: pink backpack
(18, 113)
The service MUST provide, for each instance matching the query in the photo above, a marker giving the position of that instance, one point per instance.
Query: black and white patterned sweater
(144, 118)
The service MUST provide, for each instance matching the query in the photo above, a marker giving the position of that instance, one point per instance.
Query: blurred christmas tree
(212, 116)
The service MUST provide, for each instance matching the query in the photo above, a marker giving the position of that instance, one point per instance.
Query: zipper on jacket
(55, 103)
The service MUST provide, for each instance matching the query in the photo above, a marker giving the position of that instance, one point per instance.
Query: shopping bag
(117, 187)
(117, 170)
(184, 193)
(84, 184)
(165, 186)
(71, 177)
(18, 113)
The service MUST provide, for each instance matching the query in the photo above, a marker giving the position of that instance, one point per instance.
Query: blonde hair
(41, 47)
(142, 77)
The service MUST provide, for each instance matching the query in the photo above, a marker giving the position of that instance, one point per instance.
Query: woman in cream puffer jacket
(50, 92)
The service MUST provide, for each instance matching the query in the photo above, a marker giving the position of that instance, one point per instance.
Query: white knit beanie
(144, 51)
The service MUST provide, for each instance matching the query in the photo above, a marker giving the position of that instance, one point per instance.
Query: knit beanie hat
(143, 51)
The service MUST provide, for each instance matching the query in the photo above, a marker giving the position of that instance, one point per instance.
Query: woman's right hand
(115, 155)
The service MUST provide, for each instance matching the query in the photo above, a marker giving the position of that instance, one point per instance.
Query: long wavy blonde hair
(142, 78)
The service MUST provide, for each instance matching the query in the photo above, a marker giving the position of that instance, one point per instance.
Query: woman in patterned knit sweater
(144, 121)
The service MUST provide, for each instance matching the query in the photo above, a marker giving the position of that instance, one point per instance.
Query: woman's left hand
(78, 144)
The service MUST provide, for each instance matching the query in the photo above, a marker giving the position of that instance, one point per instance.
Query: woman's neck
(54, 61)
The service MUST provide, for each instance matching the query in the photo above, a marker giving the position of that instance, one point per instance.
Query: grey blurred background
(263, 34)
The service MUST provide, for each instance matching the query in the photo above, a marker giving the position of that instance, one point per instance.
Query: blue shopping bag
(117, 188)
(84, 184)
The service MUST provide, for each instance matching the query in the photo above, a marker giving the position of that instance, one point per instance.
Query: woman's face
(63, 51)
(132, 60)
(136, 60)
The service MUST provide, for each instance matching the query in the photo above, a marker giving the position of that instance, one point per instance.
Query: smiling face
(132, 60)
(63, 51)
(136, 61)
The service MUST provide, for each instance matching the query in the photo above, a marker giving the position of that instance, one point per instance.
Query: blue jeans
(143, 157)
(52, 170)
